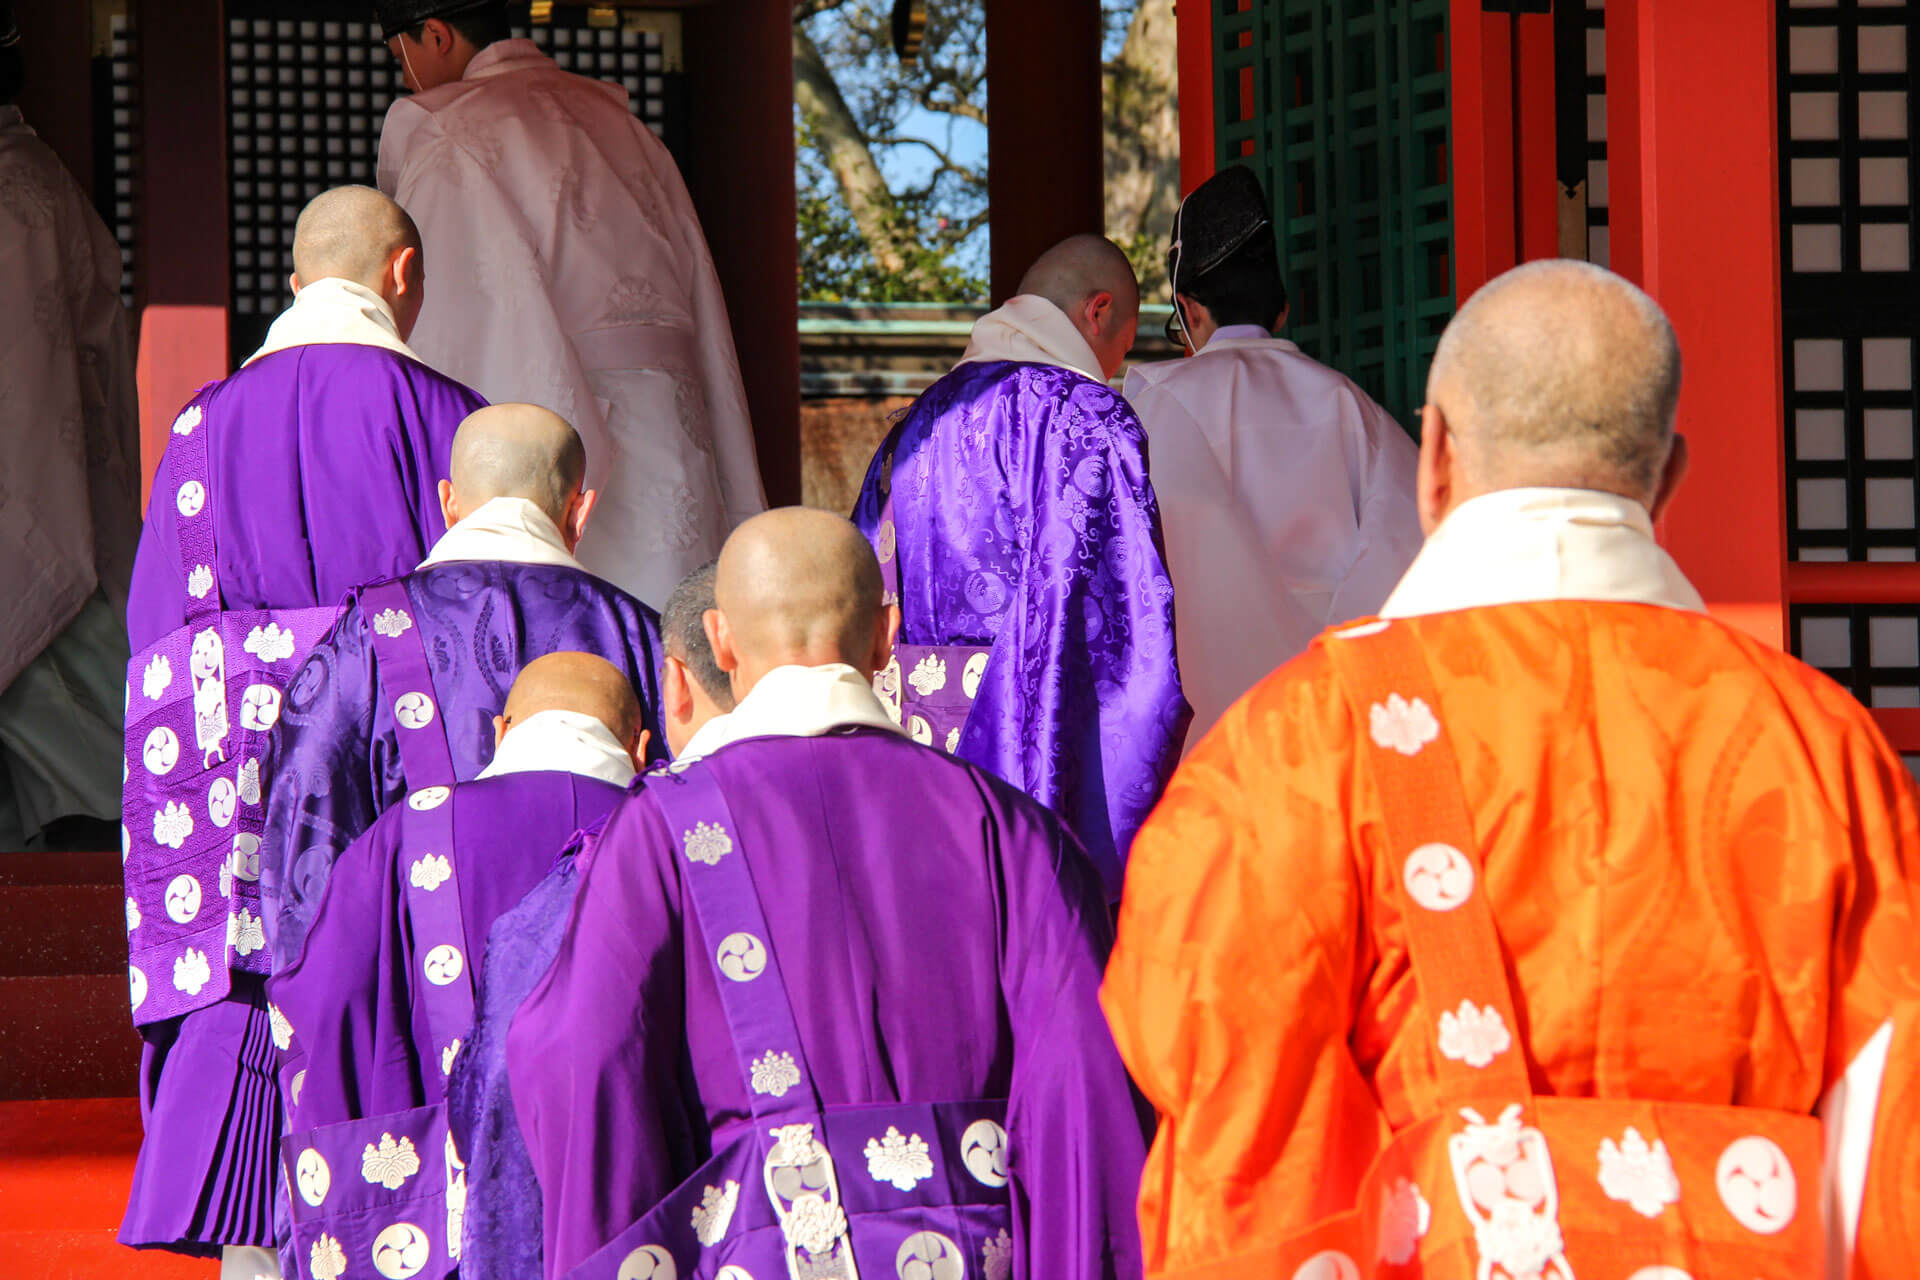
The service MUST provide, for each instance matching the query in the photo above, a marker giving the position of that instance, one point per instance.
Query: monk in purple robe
(378, 1003)
(499, 589)
(1016, 527)
(309, 470)
(816, 936)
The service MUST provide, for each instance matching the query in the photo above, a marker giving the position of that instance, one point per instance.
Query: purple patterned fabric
(1025, 521)
(362, 1067)
(941, 938)
(335, 759)
(317, 467)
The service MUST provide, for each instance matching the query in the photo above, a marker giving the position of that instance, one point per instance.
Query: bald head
(517, 451)
(1559, 373)
(352, 233)
(1090, 279)
(577, 682)
(801, 586)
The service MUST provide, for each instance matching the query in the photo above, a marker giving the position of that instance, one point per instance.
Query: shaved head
(1079, 267)
(1560, 373)
(798, 585)
(351, 233)
(578, 682)
(518, 451)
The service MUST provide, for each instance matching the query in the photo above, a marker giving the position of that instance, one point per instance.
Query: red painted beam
(1535, 170)
(1623, 140)
(1480, 60)
(1194, 33)
(1901, 727)
(1853, 583)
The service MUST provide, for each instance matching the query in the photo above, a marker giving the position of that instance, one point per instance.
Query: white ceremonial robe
(69, 492)
(1287, 499)
(565, 267)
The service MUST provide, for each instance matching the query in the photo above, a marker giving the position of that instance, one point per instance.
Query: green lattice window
(1342, 108)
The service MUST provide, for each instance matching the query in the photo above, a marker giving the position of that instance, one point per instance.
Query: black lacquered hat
(396, 16)
(1218, 218)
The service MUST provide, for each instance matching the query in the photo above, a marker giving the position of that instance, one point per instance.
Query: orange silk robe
(1700, 856)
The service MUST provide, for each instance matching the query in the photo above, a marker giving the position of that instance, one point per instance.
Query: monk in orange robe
(1545, 926)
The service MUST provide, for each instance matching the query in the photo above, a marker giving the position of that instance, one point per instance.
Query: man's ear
(637, 749)
(294, 283)
(436, 34)
(400, 271)
(499, 730)
(886, 631)
(1099, 312)
(676, 690)
(1281, 323)
(577, 515)
(449, 506)
(1671, 475)
(720, 637)
(1437, 462)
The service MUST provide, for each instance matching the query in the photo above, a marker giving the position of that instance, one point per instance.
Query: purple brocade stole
(201, 701)
(809, 1191)
(391, 1189)
(927, 688)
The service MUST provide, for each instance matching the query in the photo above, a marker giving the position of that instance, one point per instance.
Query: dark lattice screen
(1597, 242)
(116, 181)
(308, 87)
(1342, 108)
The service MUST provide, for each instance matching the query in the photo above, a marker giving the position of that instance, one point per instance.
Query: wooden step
(69, 1036)
(47, 930)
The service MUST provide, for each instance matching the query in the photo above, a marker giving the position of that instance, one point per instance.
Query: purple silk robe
(326, 458)
(1024, 521)
(942, 938)
(334, 757)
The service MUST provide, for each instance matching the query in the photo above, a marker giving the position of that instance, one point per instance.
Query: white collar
(794, 702)
(562, 742)
(504, 529)
(1032, 330)
(1518, 545)
(1231, 333)
(499, 57)
(335, 311)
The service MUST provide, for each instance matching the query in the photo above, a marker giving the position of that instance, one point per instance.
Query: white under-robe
(1287, 500)
(565, 267)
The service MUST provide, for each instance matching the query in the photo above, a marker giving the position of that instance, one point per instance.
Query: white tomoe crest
(312, 1176)
(886, 687)
(1660, 1273)
(929, 675)
(1328, 1264)
(428, 798)
(430, 872)
(731, 1272)
(259, 707)
(741, 957)
(200, 581)
(1757, 1184)
(648, 1262)
(886, 542)
(281, 1028)
(189, 419)
(133, 915)
(391, 1163)
(1638, 1173)
(413, 710)
(898, 1158)
(401, 1251)
(448, 1054)
(245, 856)
(223, 800)
(1402, 725)
(983, 1149)
(1405, 1216)
(136, 986)
(456, 1197)
(299, 1083)
(714, 1214)
(157, 677)
(996, 1257)
(183, 899)
(970, 677)
(1473, 1035)
(1438, 877)
(391, 623)
(172, 825)
(774, 1073)
(248, 781)
(245, 933)
(443, 964)
(191, 497)
(928, 1255)
(270, 643)
(327, 1260)
(191, 971)
(706, 842)
(920, 731)
(161, 751)
(1503, 1174)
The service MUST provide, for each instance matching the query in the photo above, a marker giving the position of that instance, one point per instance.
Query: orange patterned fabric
(1700, 856)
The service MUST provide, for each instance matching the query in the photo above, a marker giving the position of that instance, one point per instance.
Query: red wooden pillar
(1505, 195)
(184, 280)
(739, 171)
(1046, 154)
(1704, 224)
(1194, 32)
(1536, 185)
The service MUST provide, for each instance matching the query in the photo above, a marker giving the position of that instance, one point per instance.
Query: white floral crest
(1519, 1234)
(793, 1145)
(249, 780)
(447, 1055)
(391, 623)
(391, 1163)
(953, 740)
(226, 878)
(1473, 1035)
(244, 931)
(281, 1028)
(200, 581)
(269, 643)
(814, 1224)
(996, 1257)
(899, 1159)
(189, 419)
(707, 842)
(158, 675)
(929, 675)
(191, 971)
(774, 1074)
(1405, 1216)
(1638, 1173)
(1402, 725)
(133, 915)
(172, 825)
(715, 1213)
(327, 1261)
(430, 872)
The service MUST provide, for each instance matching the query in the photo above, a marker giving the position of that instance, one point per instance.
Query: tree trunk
(1143, 142)
(862, 185)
